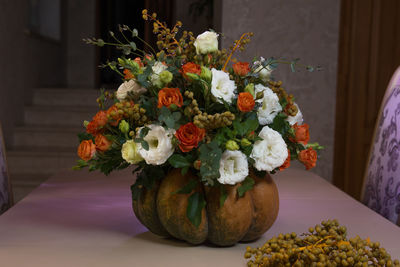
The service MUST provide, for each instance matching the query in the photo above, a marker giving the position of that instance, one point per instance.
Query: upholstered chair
(5, 187)
(381, 190)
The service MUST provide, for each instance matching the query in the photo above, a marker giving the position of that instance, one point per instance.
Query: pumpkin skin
(245, 218)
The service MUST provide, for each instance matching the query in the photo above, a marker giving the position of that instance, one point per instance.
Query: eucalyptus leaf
(196, 203)
(246, 185)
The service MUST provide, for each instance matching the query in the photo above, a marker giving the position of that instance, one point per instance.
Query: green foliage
(246, 185)
(143, 132)
(280, 124)
(188, 188)
(210, 156)
(85, 136)
(223, 195)
(248, 125)
(147, 178)
(80, 164)
(196, 203)
(171, 119)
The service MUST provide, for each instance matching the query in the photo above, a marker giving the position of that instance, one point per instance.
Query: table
(86, 219)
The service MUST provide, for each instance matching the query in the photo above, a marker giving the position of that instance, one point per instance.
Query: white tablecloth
(86, 219)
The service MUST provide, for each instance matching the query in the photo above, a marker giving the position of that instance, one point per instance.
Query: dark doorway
(112, 13)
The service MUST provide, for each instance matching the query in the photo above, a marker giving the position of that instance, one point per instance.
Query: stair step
(46, 136)
(65, 97)
(40, 161)
(58, 115)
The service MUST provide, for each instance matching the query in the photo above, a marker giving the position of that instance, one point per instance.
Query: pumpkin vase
(245, 218)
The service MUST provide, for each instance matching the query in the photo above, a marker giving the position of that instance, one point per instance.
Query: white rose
(298, 118)
(207, 42)
(233, 167)
(222, 86)
(263, 72)
(130, 153)
(270, 105)
(160, 145)
(269, 153)
(129, 86)
(157, 68)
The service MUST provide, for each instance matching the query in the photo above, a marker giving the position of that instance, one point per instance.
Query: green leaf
(85, 136)
(133, 46)
(223, 196)
(178, 161)
(188, 188)
(280, 124)
(210, 156)
(195, 207)
(246, 185)
(143, 132)
(145, 144)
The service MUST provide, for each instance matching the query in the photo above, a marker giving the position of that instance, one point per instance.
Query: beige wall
(295, 29)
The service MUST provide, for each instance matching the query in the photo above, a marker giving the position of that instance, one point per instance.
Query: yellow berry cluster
(132, 112)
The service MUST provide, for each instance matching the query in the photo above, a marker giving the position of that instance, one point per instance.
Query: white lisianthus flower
(160, 145)
(129, 86)
(157, 68)
(270, 152)
(222, 86)
(233, 167)
(263, 72)
(207, 42)
(130, 153)
(298, 118)
(270, 105)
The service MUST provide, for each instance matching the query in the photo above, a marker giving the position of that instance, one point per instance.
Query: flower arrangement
(185, 106)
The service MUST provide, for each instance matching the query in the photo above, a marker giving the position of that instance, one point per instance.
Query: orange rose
(241, 68)
(302, 134)
(308, 157)
(86, 150)
(128, 74)
(169, 96)
(102, 143)
(286, 164)
(139, 61)
(190, 67)
(245, 102)
(99, 120)
(189, 136)
(113, 115)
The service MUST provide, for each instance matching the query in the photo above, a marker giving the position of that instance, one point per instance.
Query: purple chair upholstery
(382, 177)
(5, 188)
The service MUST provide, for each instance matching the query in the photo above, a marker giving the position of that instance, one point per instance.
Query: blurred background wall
(289, 30)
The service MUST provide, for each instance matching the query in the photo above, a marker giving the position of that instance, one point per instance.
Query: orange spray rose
(302, 134)
(286, 164)
(189, 136)
(139, 61)
(190, 67)
(245, 102)
(99, 120)
(86, 150)
(115, 117)
(241, 68)
(169, 96)
(308, 157)
(102, 143)
(128, 74)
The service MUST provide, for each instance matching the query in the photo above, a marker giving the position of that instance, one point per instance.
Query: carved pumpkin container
(164, 211)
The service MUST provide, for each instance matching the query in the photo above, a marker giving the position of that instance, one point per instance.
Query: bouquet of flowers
(187, 107)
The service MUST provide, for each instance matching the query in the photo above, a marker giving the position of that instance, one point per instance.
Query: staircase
(47, 141)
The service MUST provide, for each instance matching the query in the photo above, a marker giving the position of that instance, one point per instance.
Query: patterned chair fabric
(382, 177)
(5, 191)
